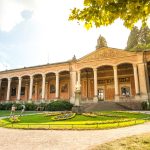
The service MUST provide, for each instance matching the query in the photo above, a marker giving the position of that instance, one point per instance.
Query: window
(52, 88)
(64, 88)
(13, 91)
(125, 91)
(22, 90)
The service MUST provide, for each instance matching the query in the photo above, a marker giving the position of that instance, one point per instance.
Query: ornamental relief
(107, 53)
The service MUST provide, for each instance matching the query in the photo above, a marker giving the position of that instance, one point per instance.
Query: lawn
(109, 119)
(140, 142)
(7, 112)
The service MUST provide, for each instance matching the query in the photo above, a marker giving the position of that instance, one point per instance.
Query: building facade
(105, 74)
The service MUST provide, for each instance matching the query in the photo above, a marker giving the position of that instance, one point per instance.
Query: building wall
(95, 60)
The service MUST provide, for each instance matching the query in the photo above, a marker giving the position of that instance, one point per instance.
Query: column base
(42, 100)
(137, 97)
(30, 101)
(72, 100)
(116, 98)
(95, 99)
(17, 101)
(144, 97)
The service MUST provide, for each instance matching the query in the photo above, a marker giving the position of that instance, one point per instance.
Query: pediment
(104, 53)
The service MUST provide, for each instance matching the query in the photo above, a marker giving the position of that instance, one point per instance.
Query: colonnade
(116, 85)
(73, 81)
(31, 87)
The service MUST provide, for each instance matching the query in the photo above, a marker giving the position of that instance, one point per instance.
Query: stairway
(102, 106)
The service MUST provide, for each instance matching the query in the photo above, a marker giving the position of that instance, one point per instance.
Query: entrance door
(110, 92)
(100, 94)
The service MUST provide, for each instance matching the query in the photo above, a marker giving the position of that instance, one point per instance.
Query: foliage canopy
(105, 12)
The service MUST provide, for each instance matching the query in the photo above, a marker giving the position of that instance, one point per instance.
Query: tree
(105, 12)
(144, 35)
(101, 42)
(133, 38)
(139, 39)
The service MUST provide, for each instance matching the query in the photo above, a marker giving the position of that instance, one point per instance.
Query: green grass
(7, 112)
(37, 121)
(140, 142)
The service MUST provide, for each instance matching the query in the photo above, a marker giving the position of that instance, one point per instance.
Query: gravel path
(14, 139)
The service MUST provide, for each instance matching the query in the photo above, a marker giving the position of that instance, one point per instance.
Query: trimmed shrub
(30, 106)
(6, 106)
(145, 105)
(59, 106)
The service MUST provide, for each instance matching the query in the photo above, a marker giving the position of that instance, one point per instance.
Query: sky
(36, 32)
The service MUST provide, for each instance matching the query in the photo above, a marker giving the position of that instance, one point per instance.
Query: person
(23, 109)
(13, 109)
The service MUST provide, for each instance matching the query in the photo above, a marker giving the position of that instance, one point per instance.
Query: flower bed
(64, 116)
(14, 119)
(112, 121)
(109, 115)
(91, 114)
(46, 114)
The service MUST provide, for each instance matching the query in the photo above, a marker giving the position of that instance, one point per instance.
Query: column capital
(94, 69)
(115, 67)
(31, 77)
(9, 79)
(19, 78)
(134, 65)
(43, 75)
(57, 73)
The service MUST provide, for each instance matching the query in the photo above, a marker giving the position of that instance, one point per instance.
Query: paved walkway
(16, 139)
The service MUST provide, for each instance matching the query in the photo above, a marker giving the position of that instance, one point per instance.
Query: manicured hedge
(145, 105)
(53, 106)
(59, 106)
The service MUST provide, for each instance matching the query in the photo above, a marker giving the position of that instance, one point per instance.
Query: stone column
(142, 82)
(0, 83)
(8, 89)
(26, 91)
(46, 91)
(19, 88)
(79, 77)
(95, 85)
(57, 85)
(136, 80)
(36, 91)
(43, 86)
(147, 81)
(31, 88)
(116, 83)
(73, 84)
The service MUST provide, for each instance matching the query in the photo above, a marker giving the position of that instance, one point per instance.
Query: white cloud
(54, 34)
(10, 12)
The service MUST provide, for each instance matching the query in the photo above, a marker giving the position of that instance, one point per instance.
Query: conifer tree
(133, 38)
(101, 42)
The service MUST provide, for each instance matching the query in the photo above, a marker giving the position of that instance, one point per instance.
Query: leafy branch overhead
(104, 12)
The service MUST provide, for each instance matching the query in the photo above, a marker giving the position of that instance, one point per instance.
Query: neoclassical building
(107, 74)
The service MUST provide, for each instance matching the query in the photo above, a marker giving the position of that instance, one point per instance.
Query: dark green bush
(59, 106)
(30, 106)
(1, 107)
(6, 106)
(145, 105)
(18, 106)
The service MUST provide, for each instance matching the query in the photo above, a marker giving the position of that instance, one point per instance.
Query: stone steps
(102, 106)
